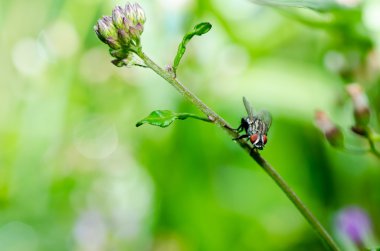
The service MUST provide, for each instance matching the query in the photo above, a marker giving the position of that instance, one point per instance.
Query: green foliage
(163, 118)
(318, 5)
(75, 172)
(199, 30)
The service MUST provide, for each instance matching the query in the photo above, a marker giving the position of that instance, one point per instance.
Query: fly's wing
(248, 108)
(265, 117)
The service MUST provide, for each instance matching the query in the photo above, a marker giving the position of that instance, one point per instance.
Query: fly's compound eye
(253, 138)
(265, 139)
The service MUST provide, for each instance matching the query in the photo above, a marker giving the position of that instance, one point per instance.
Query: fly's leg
(243, 125)
(253, 150)
(241, 137)
(239, 129)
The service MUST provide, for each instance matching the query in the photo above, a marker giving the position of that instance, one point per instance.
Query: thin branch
(373, 147)
(372, 137)
(213, 116)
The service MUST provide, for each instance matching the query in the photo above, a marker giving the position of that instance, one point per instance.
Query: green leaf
(202, 28)
(317, 5)
(199, 30)
(163, 118)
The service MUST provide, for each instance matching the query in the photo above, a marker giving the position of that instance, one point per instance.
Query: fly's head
(258, 140)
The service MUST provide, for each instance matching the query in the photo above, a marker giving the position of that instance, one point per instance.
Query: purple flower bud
(130, 12)
(113, 43)
(140, 15)
(117, 17)
(354, 223)
(106, 32)
(129, 22)
(361, 106)
(100, 36)
(124, 37)
(333, 134)
(122, 31)
(135, 13)
(136, 31)
(106, 27)
(140, 28)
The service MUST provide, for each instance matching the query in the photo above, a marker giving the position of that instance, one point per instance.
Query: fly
(256, 126)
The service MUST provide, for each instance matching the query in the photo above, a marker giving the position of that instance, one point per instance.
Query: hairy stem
(213, 116)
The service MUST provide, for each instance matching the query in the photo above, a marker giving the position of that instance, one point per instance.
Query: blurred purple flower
(354, 223)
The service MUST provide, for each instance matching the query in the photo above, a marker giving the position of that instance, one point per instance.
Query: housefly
(256, 126)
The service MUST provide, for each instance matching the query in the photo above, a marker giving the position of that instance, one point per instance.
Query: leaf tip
(202, 28)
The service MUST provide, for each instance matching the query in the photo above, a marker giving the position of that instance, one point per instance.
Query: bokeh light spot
(29, 57)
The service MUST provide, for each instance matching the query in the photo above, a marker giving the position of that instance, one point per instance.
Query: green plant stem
(213, 116)
(375, 137)
(373, 147)
(188, 115)
(356, 150)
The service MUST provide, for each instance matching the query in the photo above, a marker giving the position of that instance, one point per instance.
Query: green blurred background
(76, 174)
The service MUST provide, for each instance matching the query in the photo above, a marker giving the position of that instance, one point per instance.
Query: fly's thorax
(250, 126)
(245, 124)
(259, 126)
(255, 126)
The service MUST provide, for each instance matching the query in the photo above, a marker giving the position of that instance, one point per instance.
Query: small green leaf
(163, 118)
(202, 28)
(199, 30)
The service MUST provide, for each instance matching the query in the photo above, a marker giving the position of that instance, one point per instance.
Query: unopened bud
(333, 134)
(140, 15)
(130, 12)
(124, 37)
(119, 54)
(122, 31)
(117, 17)
(360, 102)
(106, 27)
(135, 31)
(135, 13)
(106, 32)
(126, 61)
(113, 43)
(359, 131)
